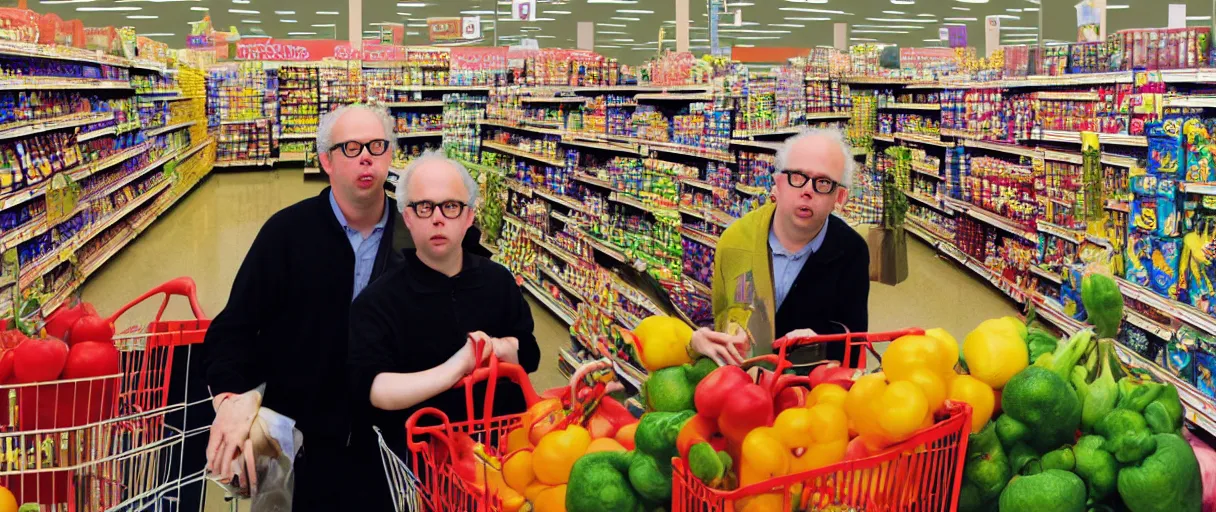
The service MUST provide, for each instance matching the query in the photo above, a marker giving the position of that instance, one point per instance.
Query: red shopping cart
(103, 443)
(923, 473)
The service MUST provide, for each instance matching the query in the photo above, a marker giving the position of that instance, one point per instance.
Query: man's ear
(324, 158)
(842, 197)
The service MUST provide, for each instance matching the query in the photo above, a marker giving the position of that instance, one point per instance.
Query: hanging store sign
(471, 27)
(523, 10)
(473, 58)
(304, 50)
(444, 29)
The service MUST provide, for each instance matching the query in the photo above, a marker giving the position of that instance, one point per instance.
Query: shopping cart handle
(183, 286)
(868, 337)
(511, 371)
(411, 428)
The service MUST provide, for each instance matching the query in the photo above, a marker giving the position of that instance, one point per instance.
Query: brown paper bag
(888, 255)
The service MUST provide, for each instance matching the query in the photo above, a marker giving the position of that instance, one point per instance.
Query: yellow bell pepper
(814, 437)
(763, 456)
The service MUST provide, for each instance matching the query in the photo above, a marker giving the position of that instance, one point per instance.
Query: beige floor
(208, 233)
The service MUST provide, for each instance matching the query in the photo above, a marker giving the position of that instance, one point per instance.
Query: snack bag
(1164, 271)
(1144, 213)
(1205, 366)
(1168, 215)
(1200, 161)
(1139, 258)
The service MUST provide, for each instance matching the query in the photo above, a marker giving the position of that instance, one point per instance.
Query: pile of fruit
(1075, 430)
(75, 343)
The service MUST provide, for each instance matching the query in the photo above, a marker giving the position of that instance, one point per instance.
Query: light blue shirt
(787, 265)
(365, 248)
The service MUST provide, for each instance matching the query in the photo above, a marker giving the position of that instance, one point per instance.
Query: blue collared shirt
(787, 265)
(365, 248)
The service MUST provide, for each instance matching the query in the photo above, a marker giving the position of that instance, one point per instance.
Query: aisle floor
(208, 233)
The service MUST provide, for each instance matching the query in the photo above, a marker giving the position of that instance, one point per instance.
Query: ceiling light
(903, 2)
(404, 14)
(894, 12)
(610, 25)
(698, 40)
(287, 21)
(545, 37)
(752, 38)
(861, 39)
(328, 13)
(411, 25)
(103, 9)
(557, 12)
(808, 19)
(791, 25)
(544, 19)
(1007, 16)
(955, 24)
(626, 19)
(478, 12)
(413, 33)
(900, 20)
(749, 45)
(973, 1)
(240, 1)
(324, 25)
(634, 11)
(961, 8)
(158, 34)
(532, 29)
(804, 9)
(740, 4)
(301, 33)
(598, 46)
(196, 8)
(284, 12)
(927, 15)
(932, 40)
(1003, 28)
(251, 22)
(959, 19)
(53, 2)
(612, 1)
(243, 11)
(1030, 9)
(411, 4)
(1198, 18)
(614, 33)
(913, 27)
(880, 31)
(141, 17)
(1117, 6)
(622, 40)
(1013, 10)
(807, 1)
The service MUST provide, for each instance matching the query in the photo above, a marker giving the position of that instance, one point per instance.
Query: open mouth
(804, 212)
(366, 180)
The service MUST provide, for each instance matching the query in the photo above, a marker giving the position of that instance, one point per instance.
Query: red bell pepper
(91, 359)
(716, 388)
(59, 324)
(729, 396)
(39, 360)
(608, 418)
(91, 328)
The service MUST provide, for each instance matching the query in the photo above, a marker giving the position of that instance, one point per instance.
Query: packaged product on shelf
(1200, 150)
(1205, 367)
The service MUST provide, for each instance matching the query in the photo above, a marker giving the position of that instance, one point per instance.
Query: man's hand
(234, 416)
(507, 349)
(723, 348)
(800, 333)
(466, 360)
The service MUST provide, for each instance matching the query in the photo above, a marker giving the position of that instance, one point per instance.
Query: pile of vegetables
(75, 343)
(1075, 431)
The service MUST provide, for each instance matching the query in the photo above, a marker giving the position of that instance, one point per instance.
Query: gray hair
(832, 134)
(428, 156)
(325, 127)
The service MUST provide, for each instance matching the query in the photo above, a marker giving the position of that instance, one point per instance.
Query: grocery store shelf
(293, 157)
(1183, 312)
(521, 153)
(926, 170)
(1071, 235)
(874, 80)
(76, 173)
(1207, 189)
(246, 121)
(629, 150)
(698, 236)
(998, 221)
(419, 88)
(1195, 101)
(924, 139)
(1119, 160)
(553, 99)
(604, 247)
(1103, 138)
(197, 147)
(592, 180)
(560, 253)
(666, 96)
(929, 201)
(560, 310)
(770, 146)
(911, 106)
(502, 123)
(15, 130)
(426, 133)
(929, 227)
(563, 285)
(65, 53)
(410, 104)
(1068, 96)
(1200, 409)
(164, 92)
(1046, 274)
(883, 138)
(59, 84)
(257, 162)
(695, 183)
(751, 191)
(298, 136)
(1149, 325)
(1060, 156)
(568, 202)
(1012, 149)
(1119, 206)
(169, 128)
(825, 116)
(768, 131)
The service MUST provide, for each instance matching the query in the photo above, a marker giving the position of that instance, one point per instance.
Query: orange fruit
(606, 444)
(978, 395)
(552, 499)
(8, 502)
(517, 440)
(556, 453)
(517, 470)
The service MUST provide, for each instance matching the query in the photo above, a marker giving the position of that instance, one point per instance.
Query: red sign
(300, 50)
(471, 58)
(445, 29)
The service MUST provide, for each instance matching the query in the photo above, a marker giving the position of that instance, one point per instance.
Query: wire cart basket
(113, 442)
(921, 474)
(429, 482)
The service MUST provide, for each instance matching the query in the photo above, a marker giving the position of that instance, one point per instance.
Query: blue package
(1163, 274)
(1200, 163)
(1144, 214)
(1164, 153)
(1138, 256)
(1144, 184)
(1205, 366)
(1168, 215)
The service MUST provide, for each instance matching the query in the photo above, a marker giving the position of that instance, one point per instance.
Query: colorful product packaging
(1200, 165)
(1163, 274)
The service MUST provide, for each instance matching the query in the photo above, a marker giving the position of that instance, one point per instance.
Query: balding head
(828, 146)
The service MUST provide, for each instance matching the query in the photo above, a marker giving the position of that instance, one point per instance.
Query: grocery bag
(888, 255)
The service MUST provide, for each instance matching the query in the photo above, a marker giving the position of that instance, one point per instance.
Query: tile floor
(208, 233)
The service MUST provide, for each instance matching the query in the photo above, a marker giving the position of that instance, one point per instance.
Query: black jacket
(286, 322)
(833, 286)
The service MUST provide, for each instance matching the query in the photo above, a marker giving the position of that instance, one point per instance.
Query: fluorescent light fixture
(1004, 28)
(1023, 40)
(894, 12)
(903, 2)
(243, 11)
(411, 25)
(532, 29)
(328, 13)
(371, 31)
(158, 34)
(544, 37)
(622, 40)
(319, 25)
(557, 12)
(805, 9)
(927, 15)
(1117, 6)
(284, 12)
(808, 19)
(54, 2)
(753, 38)
(751, 31)
(614, 33)
(862, 39)
(598, 46)
(627, 2)
(287, 21)
(611, 25)
(1013, 10)
(955, 24)
(411, 4)
(912, 27)
(634, 11)
(880, 31)
(251, 22)
(1198, 18)
(698, 40)
(932, 40)
(413, 33)
(204, 9)
(626, 19)
(1030, 9)
(959, 19)
(301, 33)
(1007, 16)
(478, 12)
(973, 1)
(404, 14)
(104, 9)
(740, 4)
(900, 20)
(791, 25)
(746, 45)
(141, 17)
(961, 8)
(544, 19)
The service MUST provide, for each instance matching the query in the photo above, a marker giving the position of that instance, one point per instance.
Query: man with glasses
(282, 338)
(413, 330)
(791, 265)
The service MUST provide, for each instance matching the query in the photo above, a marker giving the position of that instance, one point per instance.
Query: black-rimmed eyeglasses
(821, 185)
(353, 148)
(425, 209)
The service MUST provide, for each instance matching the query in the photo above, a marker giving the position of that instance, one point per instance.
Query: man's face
(811, 159)
(358, 178)
(436, 183)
